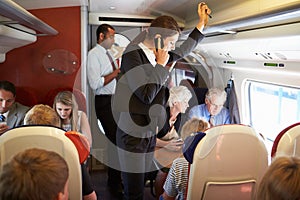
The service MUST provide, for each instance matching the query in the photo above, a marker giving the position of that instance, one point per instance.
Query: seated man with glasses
(213, 109)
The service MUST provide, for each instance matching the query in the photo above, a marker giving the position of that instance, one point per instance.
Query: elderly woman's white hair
(179, 94)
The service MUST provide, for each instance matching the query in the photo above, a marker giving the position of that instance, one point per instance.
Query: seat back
(228, 163)
(287, 142)
(200, 94)
(44, 137)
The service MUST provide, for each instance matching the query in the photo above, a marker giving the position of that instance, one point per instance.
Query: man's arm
(108, 78)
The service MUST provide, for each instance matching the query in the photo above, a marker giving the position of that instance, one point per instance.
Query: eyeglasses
(215, 105)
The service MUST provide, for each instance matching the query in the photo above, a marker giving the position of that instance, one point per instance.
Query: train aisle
(99, 178)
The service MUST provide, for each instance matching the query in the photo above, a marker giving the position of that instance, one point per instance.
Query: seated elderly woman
(167, 135)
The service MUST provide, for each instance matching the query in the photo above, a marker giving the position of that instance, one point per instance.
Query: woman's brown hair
(165, 26)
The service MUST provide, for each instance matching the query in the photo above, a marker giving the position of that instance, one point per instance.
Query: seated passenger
(213, 109)
(42, 115)
(281, 181)
(72, 119)
(11, 113)
(168, 136)
(35, 174)
(45, 115)
(178, 103)
(176, 182)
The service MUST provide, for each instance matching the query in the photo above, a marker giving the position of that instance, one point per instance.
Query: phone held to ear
(159, 43)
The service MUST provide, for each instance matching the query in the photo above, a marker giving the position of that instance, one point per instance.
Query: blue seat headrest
(190, 144)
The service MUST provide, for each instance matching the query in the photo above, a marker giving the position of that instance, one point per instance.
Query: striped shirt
(176, 182)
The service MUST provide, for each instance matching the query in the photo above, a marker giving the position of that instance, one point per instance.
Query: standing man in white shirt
(102, 71)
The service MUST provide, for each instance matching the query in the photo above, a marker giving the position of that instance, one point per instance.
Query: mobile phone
(159, 43)
(179, 140)
(3, 123)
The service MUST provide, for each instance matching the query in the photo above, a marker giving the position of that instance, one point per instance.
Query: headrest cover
(190, 144)
(81, 143)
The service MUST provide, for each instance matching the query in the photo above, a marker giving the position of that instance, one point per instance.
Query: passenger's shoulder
(226, 110)
(197, 106)
(181, 161)
(21, 108)
(19, 105)
(96, 50)
(82, 113)
(132, 47)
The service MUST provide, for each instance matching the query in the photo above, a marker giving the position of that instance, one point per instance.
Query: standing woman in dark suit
(142, 93)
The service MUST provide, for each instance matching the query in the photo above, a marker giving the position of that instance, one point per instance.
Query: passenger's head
(164, 27)
(105, 35)
(281, 181)
(66, 106)
(35, 174)
(7, 96)
(167, 28)
(214, 100)
(42, 115)
(192, 126)
(179, 98)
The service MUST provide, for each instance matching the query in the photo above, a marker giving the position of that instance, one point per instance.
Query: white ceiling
(182, 10)
(179, 9)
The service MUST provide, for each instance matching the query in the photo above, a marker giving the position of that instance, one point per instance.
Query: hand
(3, 128)
(161, 56)
(116, 72)
(203, 13)
(174, 145)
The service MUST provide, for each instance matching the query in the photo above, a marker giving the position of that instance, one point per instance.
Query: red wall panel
(24, 66)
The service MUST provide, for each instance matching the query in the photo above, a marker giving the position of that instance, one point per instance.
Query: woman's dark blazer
(142, 88)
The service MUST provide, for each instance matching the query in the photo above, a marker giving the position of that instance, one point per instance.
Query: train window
(272, 108)
(181, 72)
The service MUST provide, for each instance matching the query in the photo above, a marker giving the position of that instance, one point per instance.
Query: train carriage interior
(251, 49)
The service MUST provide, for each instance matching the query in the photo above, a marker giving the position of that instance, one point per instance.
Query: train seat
(228, 163)
(200, 94)
(287, 142)
(81, 143)
(49, 138)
